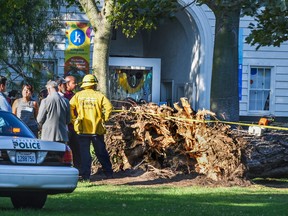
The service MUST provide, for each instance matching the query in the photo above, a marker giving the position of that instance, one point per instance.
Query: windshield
(10, 125)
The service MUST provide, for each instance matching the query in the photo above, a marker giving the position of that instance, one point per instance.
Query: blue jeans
(100, 152)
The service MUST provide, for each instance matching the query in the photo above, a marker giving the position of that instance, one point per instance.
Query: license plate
(26, 157)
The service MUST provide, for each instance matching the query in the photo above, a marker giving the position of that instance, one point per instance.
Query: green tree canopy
(132, 16)
(26, 27)
(271, 28)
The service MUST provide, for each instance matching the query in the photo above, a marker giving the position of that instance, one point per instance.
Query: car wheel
(29, 200)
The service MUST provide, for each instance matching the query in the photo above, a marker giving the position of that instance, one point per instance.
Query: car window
(10, 125)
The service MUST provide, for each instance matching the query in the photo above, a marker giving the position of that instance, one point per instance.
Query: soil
(150, 179)
(155, 177)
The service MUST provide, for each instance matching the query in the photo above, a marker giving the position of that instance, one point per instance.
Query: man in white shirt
(4, 104)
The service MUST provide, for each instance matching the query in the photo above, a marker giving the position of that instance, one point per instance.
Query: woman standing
(27, 109)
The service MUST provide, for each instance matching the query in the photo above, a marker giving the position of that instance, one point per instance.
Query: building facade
(178, 56)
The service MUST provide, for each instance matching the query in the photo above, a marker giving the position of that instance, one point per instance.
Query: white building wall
(277, 59)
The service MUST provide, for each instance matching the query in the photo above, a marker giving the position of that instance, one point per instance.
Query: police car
(31, 169)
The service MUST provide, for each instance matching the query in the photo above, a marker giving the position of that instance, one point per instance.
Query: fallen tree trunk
(183, 141)
(267, 156)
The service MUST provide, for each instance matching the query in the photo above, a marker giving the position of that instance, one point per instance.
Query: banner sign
(240, 62)
(77, 49)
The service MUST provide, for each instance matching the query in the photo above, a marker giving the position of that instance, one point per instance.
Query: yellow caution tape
(206, 121)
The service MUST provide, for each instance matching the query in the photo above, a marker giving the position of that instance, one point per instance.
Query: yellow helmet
(89, 80)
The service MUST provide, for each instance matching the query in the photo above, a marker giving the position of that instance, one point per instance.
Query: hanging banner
(77, 49)
(240, 62)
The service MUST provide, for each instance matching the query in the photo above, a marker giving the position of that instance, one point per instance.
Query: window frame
(270, 108)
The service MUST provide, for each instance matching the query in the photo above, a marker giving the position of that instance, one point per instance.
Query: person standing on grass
(73, 142)
(92, 109)
(27, 109)
(54, 115)
(4, 103)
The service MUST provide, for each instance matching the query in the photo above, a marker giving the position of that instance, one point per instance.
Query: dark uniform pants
(100, 152)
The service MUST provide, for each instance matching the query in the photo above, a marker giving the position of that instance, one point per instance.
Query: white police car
(31, 169)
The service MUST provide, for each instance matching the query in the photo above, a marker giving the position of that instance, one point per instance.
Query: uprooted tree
(184, 141)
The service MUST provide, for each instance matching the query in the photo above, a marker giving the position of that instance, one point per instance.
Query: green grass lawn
(89, 199)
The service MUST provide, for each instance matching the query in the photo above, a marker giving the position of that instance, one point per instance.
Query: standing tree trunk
(102, 33)
(224, 97)
(100, 63)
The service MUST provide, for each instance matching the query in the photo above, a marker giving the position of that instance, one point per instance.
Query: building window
(127, 82)
(44, 70)
(259, 95)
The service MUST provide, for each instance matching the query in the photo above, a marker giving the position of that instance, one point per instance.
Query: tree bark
(267, 156)
(102, 34)
(100, 64)
(224, 98)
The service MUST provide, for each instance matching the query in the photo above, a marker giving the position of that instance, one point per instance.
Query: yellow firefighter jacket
(89, 111)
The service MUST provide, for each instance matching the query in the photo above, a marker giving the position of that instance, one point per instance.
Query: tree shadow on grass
(140, 177)
(163, 178)
(271, 182)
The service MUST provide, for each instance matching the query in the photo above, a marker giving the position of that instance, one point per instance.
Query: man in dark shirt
(62, 86)
(73, 142)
